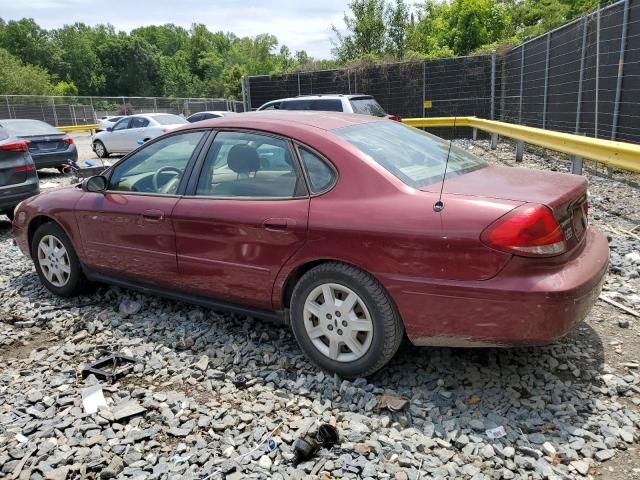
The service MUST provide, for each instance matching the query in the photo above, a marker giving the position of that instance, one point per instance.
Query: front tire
(56, 261)
(344, 320)
(100, 149)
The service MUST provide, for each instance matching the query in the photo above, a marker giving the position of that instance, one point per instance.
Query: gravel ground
(212, 388)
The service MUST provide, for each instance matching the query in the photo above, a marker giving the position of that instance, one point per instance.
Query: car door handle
(153, 216)
(278, 224)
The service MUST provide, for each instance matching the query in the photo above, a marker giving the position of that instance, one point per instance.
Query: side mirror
(95, 184)
(109, 129)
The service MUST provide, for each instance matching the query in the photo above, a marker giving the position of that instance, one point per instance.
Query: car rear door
(245, 213)
(127, 231)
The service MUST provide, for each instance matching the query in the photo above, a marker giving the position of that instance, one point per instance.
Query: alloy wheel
(53, 259)
(99, 149)
(338, 322)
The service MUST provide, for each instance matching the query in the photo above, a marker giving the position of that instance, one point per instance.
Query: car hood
(517, 184)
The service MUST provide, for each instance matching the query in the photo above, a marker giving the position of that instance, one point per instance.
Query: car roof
(217, 112)
(282, 119)
(329, 96)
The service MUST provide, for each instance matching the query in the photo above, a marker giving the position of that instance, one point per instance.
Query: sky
(299, 24)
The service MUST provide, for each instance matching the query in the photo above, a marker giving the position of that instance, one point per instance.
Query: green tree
(19, 79)
(29, 42)
(232, 78)
(169, 39)
(79, 62)
(396, 29)
(132, 66)
(473, 23)
(366, 30)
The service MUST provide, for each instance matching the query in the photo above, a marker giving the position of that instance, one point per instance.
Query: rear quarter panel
(372, 220)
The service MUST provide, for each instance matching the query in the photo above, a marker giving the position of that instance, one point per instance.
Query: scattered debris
(327, 435)
(128, 308)
(93, 399)
(126, 410)
(620, 306)
(497, 432)
(110, 367)
(392, 402)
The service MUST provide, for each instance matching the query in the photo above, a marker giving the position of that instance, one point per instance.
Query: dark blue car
(48, 146)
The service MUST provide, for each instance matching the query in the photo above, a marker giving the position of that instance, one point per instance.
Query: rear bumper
(54, 159)
(530, 302)
(12, 195)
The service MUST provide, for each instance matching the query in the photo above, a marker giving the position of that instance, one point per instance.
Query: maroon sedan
(327, 221)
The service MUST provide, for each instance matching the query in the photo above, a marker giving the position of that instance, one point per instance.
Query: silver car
(130, 132)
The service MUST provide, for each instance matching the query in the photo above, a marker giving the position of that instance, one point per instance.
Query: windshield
(23, 128)
(169, 119)
(414, 156)
(367, 106)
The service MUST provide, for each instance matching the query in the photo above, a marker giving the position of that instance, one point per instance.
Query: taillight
(26, 168)
(529, 230)
(17, 146)
(396, 118)
(67, 139)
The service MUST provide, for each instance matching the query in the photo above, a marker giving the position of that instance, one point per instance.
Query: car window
(3, 134)
(122, 124)
(319, 174)
(169, 119)
(207, 116)
(241, 164)
(138, 122)
(367, 106)
(296, 105)
(272, 106)
(415, 157)
(28, 127)
(327, 105)
(196, 118)
(157, 167)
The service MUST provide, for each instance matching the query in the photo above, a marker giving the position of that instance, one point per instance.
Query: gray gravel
(211, 387)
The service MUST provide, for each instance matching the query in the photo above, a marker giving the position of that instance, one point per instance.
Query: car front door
(241, 219)
(127, 230)
(114, 142)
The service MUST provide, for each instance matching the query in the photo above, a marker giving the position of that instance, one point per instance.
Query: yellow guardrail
(79, 128)
(615, 154)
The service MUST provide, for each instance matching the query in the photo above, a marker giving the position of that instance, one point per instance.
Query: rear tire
(100, 149)
(56, 261)
(344, 320)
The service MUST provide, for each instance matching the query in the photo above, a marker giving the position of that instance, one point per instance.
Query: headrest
(243, 159)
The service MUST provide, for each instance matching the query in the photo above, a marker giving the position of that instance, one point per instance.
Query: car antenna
(439, 205)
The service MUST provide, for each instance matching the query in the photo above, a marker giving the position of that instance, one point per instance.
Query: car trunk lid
(564, 194)
(46, 143)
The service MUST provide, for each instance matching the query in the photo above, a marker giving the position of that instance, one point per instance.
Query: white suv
(363, 104)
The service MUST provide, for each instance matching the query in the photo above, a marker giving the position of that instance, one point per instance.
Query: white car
(363, 104)
(130, 132)
(106, 122)
(197, 117)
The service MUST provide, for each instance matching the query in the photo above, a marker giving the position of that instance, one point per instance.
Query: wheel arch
(298, 271)
(39, 220)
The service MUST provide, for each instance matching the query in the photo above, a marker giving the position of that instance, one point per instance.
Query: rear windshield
(416, 157)
(367, 106)
(169, 119)
(28, 127)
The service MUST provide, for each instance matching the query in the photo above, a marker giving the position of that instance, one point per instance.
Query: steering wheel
(167, 169)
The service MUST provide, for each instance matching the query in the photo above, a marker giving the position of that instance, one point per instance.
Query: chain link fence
(583, 77)
(68, 111)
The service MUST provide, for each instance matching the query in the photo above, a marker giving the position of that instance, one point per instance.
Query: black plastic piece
(110, 367)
